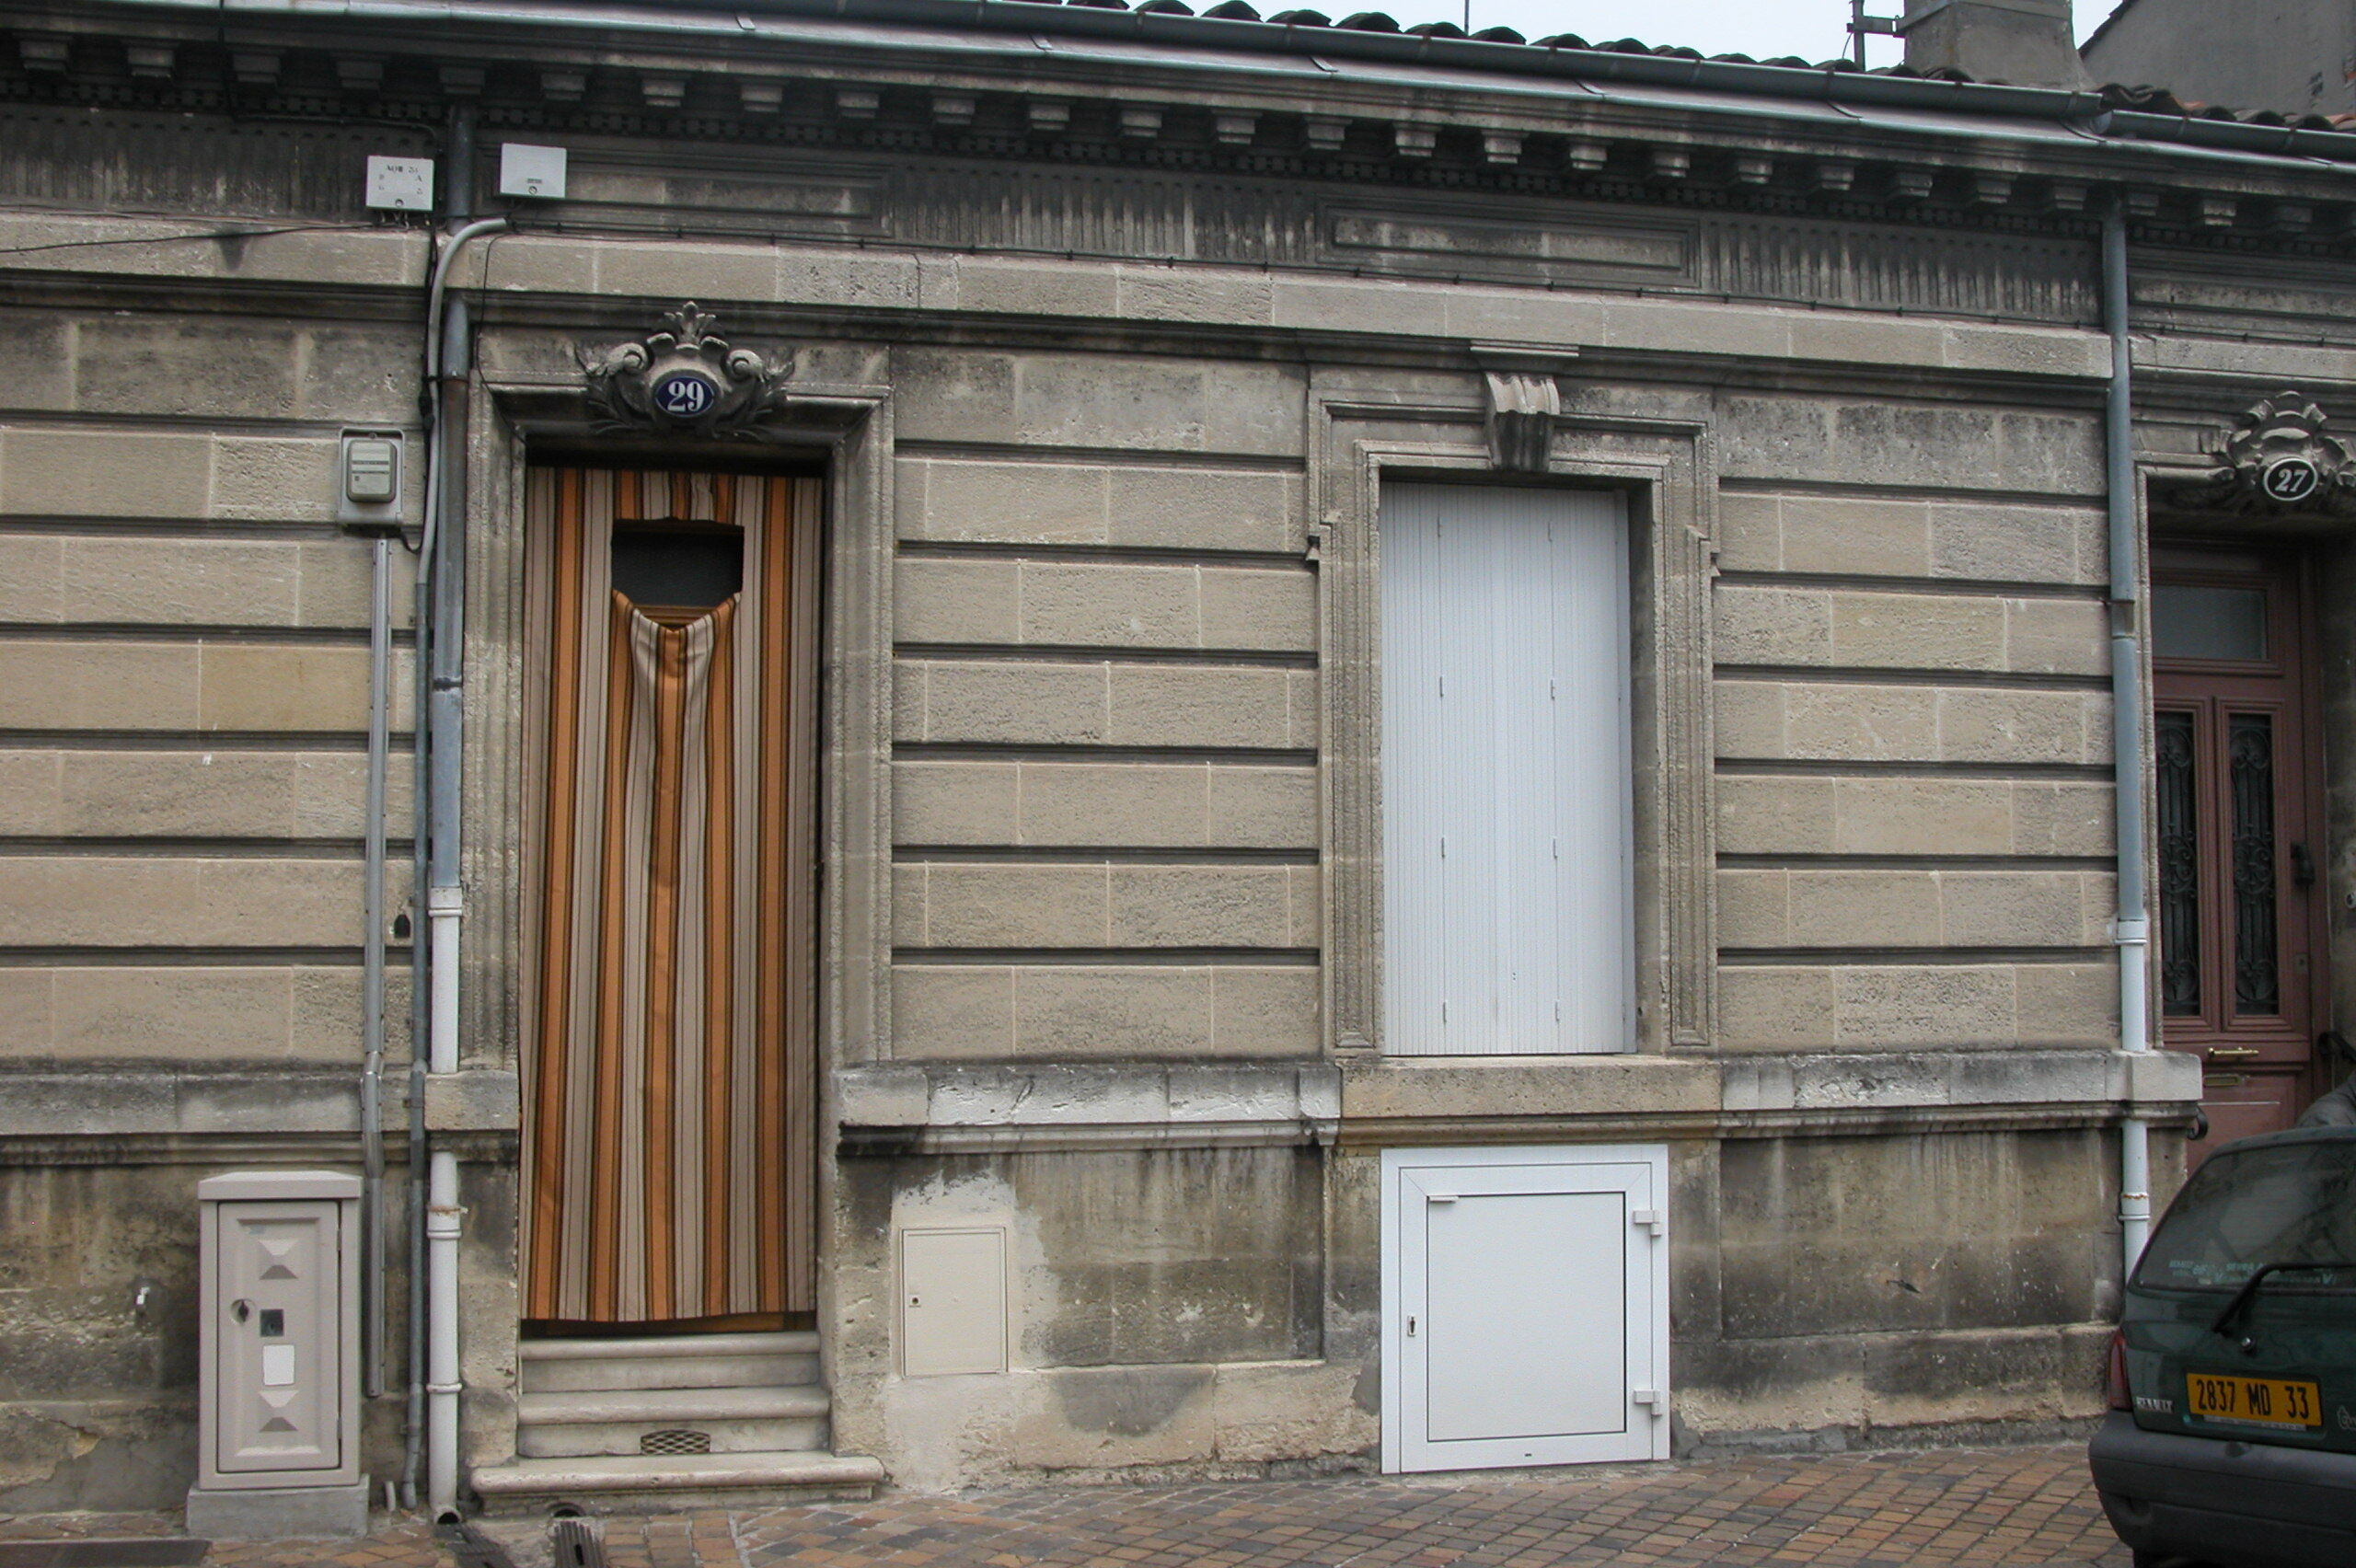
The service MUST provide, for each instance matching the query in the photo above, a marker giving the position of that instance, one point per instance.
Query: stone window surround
(2329, 543)
(849, 428)
(1664, 463)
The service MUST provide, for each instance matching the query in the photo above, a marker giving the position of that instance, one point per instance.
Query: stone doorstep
(673, 1483)
(785, 1418)
(683, 1361)
(653, 1347)
(782, 1401)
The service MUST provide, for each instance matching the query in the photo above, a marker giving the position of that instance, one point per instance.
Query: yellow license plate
(2259, 1402)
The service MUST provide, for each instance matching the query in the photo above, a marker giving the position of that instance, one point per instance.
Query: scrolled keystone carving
(2279, 459)
(686, 381)
(1522, 410)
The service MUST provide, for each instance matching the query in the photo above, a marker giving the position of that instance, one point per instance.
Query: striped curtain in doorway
(671, 1025)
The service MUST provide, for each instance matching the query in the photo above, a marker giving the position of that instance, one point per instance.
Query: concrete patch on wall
(1165, 1308)
(1126, 1422)
(1888, 1390)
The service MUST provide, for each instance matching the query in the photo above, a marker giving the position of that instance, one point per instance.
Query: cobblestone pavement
(1950, 1508)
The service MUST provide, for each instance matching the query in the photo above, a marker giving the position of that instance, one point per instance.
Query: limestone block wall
(183, 709)
(183, 684)
(1106, 844)
(1912, 723)
(1104, 711)
(1915, 862)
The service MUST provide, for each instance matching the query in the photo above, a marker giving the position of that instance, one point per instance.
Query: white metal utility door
(1525, 1307)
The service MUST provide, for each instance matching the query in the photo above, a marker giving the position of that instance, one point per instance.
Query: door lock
(1411, 1325)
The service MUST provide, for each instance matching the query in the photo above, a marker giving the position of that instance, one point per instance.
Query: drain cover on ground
(575, 1545)
(472, 1549)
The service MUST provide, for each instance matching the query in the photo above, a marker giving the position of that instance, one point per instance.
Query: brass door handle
(2232, 1053)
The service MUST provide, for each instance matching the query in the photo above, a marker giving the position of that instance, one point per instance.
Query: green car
(2232, 1433)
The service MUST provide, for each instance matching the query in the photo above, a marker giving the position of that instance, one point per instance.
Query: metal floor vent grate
(675, 1440)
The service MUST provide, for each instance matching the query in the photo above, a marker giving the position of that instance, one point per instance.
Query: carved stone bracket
(685, 381)
(1525, 401)
(2277, 460)
(1522, 410)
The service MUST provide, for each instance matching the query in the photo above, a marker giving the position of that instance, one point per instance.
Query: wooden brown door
(671, 1085)
(2237, 791)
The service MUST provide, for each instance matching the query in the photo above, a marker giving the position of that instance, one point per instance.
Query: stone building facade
(1060, 362)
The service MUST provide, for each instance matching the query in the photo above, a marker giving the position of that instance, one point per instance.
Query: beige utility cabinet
(952, 1301)
(278, 1413)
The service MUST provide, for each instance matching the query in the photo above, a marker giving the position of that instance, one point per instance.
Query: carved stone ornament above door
(685, 381)
(1522, 411)
(2277, 460)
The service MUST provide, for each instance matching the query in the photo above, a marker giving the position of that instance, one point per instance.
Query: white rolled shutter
(1505, 767)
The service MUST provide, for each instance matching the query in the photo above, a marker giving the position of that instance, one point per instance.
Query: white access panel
(279, 1391)
(952, 1301)
(1508, 911)
(1525, 1317)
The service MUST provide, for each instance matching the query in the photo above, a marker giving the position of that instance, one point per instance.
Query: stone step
(613, 1421)
(670, 1361)
(628, 1484)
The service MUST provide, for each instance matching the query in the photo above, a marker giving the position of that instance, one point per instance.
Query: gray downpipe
(445, 903)
(2131, 929)
(371, 965)
(433, 930)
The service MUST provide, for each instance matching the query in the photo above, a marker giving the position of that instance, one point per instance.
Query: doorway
(670, 1109)
(1525, 1305)
(2237, 787)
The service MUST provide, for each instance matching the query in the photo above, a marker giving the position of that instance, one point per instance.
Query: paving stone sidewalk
(1946, 1508)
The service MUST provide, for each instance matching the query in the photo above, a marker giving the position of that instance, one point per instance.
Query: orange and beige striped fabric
(668, 1135)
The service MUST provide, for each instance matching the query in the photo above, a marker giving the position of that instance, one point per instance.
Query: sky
(1813, 29)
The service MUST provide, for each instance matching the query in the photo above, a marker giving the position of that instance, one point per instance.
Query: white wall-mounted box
(368, 489)
(277, 1369)
(401, 185)
(526, 170)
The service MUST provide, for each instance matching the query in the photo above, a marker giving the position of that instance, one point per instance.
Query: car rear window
(2288, 1203)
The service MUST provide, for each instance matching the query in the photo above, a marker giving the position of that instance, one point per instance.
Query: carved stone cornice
(685, 381)
(2277, 460)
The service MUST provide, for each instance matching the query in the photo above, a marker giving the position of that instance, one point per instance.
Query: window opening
(2250, 758)
(2178, 799)
(675, 572)
(2198, 620)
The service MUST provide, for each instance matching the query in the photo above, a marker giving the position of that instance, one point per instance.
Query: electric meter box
(278, 1413)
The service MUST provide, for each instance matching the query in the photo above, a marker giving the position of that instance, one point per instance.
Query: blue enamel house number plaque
(684, 395)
